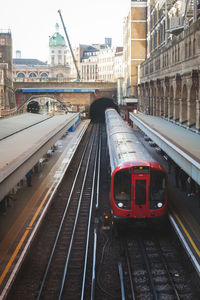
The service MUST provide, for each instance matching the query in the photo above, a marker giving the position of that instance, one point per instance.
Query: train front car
(138, 182)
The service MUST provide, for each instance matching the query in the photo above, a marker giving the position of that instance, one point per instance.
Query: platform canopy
(180, 144)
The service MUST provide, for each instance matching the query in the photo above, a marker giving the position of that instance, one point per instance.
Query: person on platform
(29, 178)
(192, 186)
(177, 172)
(183, 180)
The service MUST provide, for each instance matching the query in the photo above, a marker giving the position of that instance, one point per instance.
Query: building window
(178, 53)
(2, 41)
(190, 50)
(44, 75)
(59, 59)
(194, 47)
(60, 75)
(32, 75)
(20, 75)
(186, 54)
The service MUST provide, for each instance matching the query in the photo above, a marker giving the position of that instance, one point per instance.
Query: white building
(106, 64)
(28, 69)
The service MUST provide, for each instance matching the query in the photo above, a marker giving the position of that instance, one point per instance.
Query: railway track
(58, 268)
(76, 254)
(154, 270)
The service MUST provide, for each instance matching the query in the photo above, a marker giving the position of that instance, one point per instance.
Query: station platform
(12, 125)
(19, 223)
(24, 140)
(180, 144)
(183, 153)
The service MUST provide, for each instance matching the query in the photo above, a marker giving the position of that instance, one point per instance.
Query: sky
(87, 22)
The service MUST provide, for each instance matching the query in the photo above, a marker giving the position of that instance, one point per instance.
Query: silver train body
(123, 145)
(138, 187)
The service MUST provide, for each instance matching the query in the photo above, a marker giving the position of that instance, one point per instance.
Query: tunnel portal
(98, 107)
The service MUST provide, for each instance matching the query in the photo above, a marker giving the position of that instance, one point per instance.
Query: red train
(138, 182)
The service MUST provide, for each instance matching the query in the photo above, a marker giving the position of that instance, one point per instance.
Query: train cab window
(157, 189)
(140, 192)
(122, 189)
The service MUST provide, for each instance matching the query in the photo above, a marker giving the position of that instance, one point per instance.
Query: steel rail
(146, 260)
(92, 290)
(98, 175)
(92, 293)
(89, 223)
(60, 226)
(129, 271)
(75, 223)
(167, 270)
(120, 269)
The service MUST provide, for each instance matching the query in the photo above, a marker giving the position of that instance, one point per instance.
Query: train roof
(123, 144)
(139, 163)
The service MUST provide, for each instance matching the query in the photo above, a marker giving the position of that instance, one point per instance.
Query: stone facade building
(89, 64)
(96, 62)
(134, 43)
(7, 99)
(169, 77)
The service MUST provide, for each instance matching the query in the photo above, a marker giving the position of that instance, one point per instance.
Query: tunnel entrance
(98, 107)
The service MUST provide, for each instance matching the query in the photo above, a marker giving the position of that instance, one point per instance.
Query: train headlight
(120, 205)
(159, 204)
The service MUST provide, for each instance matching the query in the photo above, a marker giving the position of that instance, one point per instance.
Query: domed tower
(57, 49)
(57, 56)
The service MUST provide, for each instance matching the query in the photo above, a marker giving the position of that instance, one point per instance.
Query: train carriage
(138, 182)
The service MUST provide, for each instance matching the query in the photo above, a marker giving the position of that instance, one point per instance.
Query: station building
(168, 79)
(7, 99)
(134, 44)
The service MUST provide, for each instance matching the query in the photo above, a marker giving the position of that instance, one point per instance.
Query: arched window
(178, 53)
(175, 54)
(60, 75)
(44, 75)
(20, 75)
(190, 50)
(194, 47)
(32, 75)
(186, 54)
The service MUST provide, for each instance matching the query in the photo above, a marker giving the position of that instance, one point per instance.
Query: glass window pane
(122, 189)
(157, 188)
(140, 192)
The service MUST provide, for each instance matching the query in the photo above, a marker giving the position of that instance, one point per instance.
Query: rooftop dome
(57, 39)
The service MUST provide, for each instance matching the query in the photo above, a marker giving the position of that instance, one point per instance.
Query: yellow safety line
(186, 232)
(23, 237)
(13, 256)
(39, 208)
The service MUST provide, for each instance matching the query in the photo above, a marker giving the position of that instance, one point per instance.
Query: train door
(140, 195)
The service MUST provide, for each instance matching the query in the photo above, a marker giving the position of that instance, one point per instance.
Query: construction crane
(70, 47)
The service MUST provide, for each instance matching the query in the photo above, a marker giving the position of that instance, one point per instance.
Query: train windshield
(140, 192)
(122, 189)
(157, 189)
